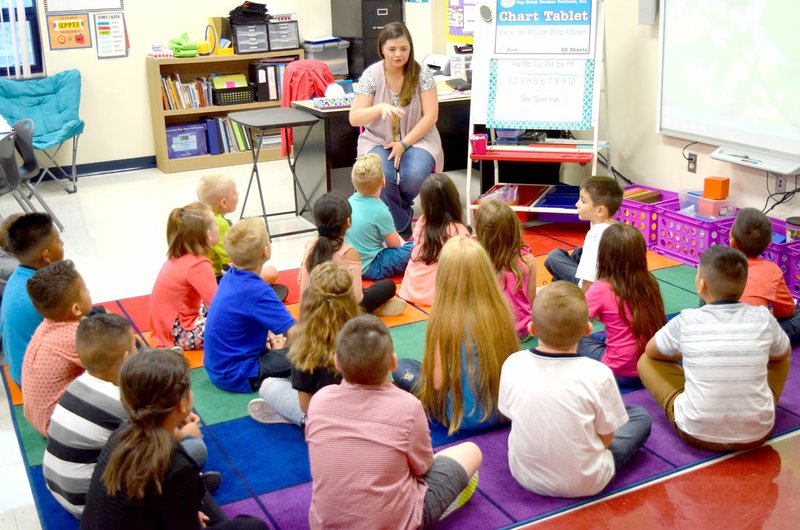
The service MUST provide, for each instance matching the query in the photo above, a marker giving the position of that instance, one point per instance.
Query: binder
(237, 132)
(212, 136)
(272, 81)
(223, 138)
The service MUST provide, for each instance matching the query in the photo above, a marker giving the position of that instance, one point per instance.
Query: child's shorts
(191, 339)
(445, 479)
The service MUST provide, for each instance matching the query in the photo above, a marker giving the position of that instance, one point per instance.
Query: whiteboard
(730, 74)
(533, 65)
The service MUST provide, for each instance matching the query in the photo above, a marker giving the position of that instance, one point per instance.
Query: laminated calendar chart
(545, 27)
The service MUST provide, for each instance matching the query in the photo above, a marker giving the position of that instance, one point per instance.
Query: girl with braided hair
(332, 217)
(327, 305)
(143, 478)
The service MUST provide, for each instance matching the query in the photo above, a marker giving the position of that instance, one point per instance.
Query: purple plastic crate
(643, 216)
(684, 238)
(777, 253)
(793, 270)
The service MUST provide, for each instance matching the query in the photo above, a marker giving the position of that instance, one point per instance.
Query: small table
(262, 120)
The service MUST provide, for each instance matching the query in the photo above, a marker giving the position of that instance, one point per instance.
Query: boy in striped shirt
(735, 361)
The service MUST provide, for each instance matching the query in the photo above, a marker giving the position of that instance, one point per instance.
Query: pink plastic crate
(793, 270)
(777, 253)
(682, 237)
(643, 216)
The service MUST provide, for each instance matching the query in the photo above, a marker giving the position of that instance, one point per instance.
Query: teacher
(397, 105)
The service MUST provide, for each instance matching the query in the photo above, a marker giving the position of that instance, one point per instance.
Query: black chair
(23, 131)
(9, 173)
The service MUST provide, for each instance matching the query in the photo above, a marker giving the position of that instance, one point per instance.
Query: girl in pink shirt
(186, 283)
(627, 299)
(332, 217)
(499, 231)
(441, 219)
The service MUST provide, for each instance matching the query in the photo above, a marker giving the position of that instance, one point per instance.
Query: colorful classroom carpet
(265, 467)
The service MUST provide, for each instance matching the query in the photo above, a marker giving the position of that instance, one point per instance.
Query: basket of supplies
(684, 237)
(638, 209)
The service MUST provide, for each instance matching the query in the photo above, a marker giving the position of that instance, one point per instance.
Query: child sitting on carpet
(248, 327)
(600, 198)
(499, 231)
(441, 219)
(90, 410)
(470, 333)
(8, 262)
(51, 361)
(143, 479)
(35, 241)
(372, 233)
(332, 217)
(369, 445)
(752, 233)
(326, 306)
(570, 432)
(627, 299)
(186, 284)
(735, 361)
(219, 193)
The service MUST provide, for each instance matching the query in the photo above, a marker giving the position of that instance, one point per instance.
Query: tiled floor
(115, 234)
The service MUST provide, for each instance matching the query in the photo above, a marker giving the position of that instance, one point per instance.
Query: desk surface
(308, 105)
(273, 118)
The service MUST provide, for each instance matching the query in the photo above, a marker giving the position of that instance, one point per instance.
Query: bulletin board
(533, 64)
(461, 17)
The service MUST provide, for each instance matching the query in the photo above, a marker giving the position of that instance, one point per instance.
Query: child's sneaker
(260, 411)
(392, 308)
(463, 497)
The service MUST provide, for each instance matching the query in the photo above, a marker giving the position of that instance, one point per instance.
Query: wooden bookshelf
(192, 68)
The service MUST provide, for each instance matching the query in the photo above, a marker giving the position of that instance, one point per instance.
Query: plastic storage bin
(793, 271)
(333, 53)
(709, 208)
(643, 216)
(187, 139)
(283, 35)
(682, 237)
(250, 39)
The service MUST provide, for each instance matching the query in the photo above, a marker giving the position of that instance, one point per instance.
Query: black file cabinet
(360, 22)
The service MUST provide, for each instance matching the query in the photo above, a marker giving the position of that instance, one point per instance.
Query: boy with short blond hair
(35, 241)
(752, 233)
(246, 315)
(599, 200)
(51, 362)
(369, 445)
(735, 361)
(218, 192)
(570, 432)
(372, 233)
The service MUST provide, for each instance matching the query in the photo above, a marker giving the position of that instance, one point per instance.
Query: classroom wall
(114, 101)
(637, 151)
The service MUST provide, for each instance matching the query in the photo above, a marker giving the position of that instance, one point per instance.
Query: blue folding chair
(52, 104)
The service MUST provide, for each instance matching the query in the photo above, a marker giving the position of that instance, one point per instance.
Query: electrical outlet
(691, 167)
(780, 183)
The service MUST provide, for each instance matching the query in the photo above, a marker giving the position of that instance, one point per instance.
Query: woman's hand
(397, 152)
(390, 111)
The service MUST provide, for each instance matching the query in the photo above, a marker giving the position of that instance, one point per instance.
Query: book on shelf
(212, 136)
(177, 95)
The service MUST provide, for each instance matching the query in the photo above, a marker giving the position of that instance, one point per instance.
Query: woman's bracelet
(405, 145)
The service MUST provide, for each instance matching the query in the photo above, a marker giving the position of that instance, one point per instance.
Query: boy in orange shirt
(51, 361)
(751, 233)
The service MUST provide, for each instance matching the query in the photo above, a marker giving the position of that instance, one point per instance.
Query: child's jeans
(791, 326)
(563, 265)
(407, 374)
(391, 261)
(283, 399)
(631, 436)
(271, 363)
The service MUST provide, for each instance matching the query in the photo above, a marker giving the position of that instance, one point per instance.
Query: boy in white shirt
(735, 361)
(599, 200)
(570, 432)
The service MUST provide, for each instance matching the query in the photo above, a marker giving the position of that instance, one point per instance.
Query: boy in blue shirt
(35, 241)
(372, 233)
(248, 329)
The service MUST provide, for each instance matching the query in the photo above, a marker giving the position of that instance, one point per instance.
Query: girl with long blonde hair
(470, 334)
(144, 478)
(327, 304)
(499, 231)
